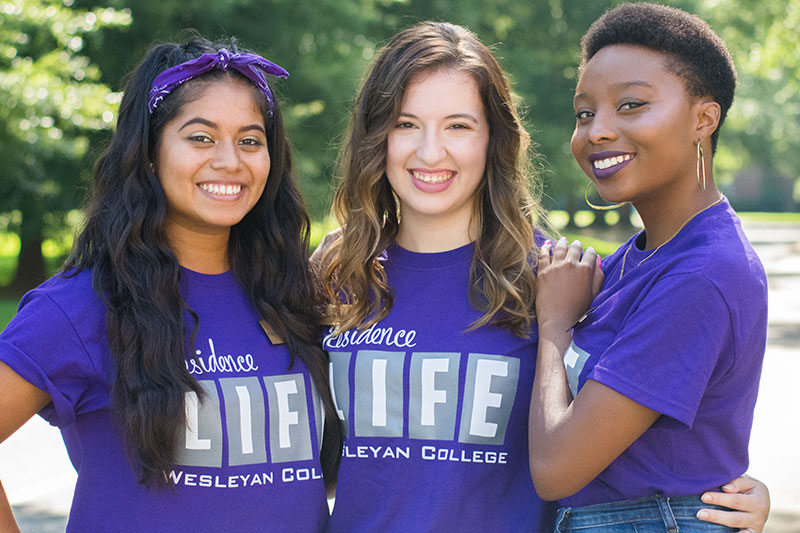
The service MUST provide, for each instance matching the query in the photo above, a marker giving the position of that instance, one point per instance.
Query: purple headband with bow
(251, 66)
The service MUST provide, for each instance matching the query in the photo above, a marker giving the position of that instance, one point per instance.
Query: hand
(749, 499)
(567, 282)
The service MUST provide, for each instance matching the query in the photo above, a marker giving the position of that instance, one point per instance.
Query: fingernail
(600, 261)
(564, 239)
(548, 242)
(702, 514)
(729, 486)
(706, 498)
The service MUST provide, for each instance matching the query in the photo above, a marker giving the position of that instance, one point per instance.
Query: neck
(665, 216)
(432, 234)
(204, 253)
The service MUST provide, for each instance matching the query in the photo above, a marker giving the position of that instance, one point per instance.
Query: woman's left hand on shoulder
(749, 499)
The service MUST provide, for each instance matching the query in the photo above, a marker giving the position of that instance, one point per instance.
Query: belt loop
(666, 514)
(563, 518)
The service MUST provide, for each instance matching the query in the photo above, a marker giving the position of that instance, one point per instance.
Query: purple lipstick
(606, 164)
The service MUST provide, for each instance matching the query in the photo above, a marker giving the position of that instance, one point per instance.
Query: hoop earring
(701, 164)
(599, 207)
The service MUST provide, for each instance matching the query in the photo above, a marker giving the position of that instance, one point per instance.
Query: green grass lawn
(772, 218)
(8, 308)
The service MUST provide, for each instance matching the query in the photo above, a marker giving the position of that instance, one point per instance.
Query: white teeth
(221, 190)
(439, 177)
(611, 161)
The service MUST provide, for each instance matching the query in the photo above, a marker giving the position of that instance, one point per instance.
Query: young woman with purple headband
(431, 281)
(178, 350)
(645, 401)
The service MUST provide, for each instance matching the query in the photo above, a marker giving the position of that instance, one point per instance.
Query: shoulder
(65, 305)
(719, 250)
(70, 291)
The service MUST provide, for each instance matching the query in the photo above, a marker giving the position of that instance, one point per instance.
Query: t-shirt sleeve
(669, 347)
(41, 345)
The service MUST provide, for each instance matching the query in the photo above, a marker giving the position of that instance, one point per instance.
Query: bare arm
(561, 461)
(19, 401)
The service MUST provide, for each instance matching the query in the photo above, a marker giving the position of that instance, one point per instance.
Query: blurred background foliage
(63, 62)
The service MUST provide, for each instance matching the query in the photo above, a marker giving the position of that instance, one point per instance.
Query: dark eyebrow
(467, 116)
(620, 86)
(198, 120)
(632, 83)
(205, 122)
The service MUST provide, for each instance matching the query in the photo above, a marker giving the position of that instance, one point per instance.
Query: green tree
(50, 104)
(325, 46)
(763, 131)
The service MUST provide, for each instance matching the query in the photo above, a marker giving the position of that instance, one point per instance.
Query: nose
(601, 129)
(226, 157)
(431, 147)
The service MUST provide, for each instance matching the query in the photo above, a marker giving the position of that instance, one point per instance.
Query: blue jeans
(654, 514)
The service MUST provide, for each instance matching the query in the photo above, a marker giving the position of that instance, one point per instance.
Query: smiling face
(212, 161)
(436, 152)
(636, 126)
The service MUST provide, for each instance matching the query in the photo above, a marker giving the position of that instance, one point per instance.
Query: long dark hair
(502, 278)
(136, 273)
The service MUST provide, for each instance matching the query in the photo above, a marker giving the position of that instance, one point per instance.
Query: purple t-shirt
(435, 417)
(248, 459)
(683, 333)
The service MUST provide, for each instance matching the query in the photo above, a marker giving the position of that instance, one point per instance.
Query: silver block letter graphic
(192, 406)
(379, 403)
(201, 442)
(245, 417)
(340, 387)
(433, 395)
(289, 418)
(489, 394)
(286, 417)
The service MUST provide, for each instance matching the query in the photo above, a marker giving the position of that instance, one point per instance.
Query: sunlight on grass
(8, 308)
(777, 218)
(603, 248)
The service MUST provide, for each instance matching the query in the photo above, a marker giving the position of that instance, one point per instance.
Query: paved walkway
(39, 479)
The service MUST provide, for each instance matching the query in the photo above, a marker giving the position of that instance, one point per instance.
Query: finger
(598, 277)
(560, 249)
(729, 518)
(736, 501)
(544, 254)
(589, 256)
(742, 483)
(574, 251)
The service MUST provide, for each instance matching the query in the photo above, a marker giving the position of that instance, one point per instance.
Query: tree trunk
(572, 208)
(31, 269)
(599, 221)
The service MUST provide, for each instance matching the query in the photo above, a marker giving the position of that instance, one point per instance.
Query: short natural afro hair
(698, 54)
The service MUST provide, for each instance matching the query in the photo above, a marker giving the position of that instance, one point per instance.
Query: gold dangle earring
(701, 167)
(599, 207)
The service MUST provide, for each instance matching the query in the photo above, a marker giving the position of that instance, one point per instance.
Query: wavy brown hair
(502, 272)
